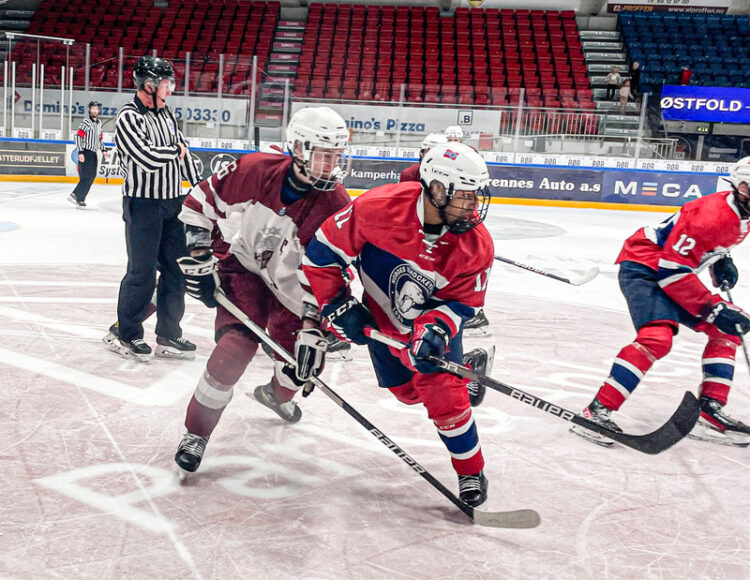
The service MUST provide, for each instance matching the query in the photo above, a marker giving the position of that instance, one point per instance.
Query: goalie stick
(587, 277)
(678, 425)
(524, 518)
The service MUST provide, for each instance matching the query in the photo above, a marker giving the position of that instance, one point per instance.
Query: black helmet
(95, 104)
(151, 67)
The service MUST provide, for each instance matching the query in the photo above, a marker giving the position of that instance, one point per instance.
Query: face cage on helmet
(462, 226)
(337, 175)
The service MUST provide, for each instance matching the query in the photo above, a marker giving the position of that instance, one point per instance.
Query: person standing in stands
(154, 159)
(685, 75)
(89, 141)
(613, 82)
(635, 79)
(625, 94)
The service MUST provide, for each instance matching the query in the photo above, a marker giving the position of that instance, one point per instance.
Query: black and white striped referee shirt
(146, 141)
(89, 136)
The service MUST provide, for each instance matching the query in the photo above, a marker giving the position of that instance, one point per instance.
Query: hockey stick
(678, 425)
(742, 338)
(511, 519)
(587, 277)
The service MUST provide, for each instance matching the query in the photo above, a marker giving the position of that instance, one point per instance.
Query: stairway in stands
(603, 49)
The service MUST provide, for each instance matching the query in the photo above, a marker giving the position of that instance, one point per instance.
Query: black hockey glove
(348, 318)
(724, 273)
(728, 318)
(201, 277)
(430, 339)
(309, 351)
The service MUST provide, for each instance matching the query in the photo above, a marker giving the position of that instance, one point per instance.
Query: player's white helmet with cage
(318, 139)
(454, 133)
(431, 141)
(740, 173)
(452, 167)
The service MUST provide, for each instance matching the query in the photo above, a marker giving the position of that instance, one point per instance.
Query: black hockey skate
(479, 360)
(136, 349)
(288, 411)
(190, 453)
(600, 415)
(79, 204)
(473, 489)
(112, 335)
(179, 348)
(478, 326)
(716, 426)
(338, 349)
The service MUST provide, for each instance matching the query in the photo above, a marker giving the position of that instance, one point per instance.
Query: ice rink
(87, 439)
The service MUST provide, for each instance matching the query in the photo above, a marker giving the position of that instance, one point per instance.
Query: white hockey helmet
(457, 167)
(431, 140)
(454, 133)
(740, 172)
(319, 128)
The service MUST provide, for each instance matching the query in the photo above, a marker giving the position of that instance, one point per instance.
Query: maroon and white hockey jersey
(267, 236)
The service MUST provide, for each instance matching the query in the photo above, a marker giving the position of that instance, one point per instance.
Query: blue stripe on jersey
(624, 377)
(321, 255)
(665, 228)
(463, 443)
(378, 264)
(663, 273)
(464, 311)
(719, 370)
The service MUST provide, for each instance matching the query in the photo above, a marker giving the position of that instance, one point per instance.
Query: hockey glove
(724, 273)
(430, 339)
(201, 277)
(348, 317)
(728, 318)
(309, 350)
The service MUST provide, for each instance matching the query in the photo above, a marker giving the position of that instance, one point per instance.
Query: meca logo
(667, 189)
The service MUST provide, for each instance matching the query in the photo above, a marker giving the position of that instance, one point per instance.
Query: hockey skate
(338, 349)
(478, 326)
(288, 411)
(600, 415)
(112, 335)
(473, 489)
(480, 361)
(190, 453)
(715, 426)
(79, 204)
(135, 349)
(178, 348)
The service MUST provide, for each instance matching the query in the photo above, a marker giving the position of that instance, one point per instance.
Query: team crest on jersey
(267, 241)
(409, 291)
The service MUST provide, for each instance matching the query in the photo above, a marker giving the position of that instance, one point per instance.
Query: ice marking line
(62, 283)
(59, 300)
(163, 393)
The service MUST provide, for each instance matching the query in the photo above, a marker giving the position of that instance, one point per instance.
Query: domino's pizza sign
(707, 104)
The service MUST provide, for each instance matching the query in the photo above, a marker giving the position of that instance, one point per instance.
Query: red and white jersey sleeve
(405, 273)
(688, 240)
(267, 236)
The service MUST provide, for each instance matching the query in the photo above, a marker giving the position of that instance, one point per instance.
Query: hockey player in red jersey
(424, 258)
(268, 207)
(411, 173)
(659, 278)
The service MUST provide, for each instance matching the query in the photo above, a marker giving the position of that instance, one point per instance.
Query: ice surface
(87, 439)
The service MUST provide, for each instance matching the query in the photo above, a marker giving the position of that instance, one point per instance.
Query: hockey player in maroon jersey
(659, 278)
(424, 258)
(411, 173)
(268, 207)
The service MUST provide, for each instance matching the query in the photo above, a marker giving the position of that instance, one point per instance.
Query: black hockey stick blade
(679, 424)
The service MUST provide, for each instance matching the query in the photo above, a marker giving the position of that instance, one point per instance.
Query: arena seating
(714, 47)
(205, 29)
(476, 57)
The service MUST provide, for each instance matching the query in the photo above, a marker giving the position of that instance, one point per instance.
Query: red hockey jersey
(404, 271)
(697, 235)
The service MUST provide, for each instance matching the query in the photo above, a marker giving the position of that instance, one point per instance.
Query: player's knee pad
(656, 339)
(233, 352)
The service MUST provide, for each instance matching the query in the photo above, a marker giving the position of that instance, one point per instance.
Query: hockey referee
(89, 141)
(154, 159)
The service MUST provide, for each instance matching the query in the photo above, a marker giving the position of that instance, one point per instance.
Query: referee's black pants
(155, 238)
(86, 174)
